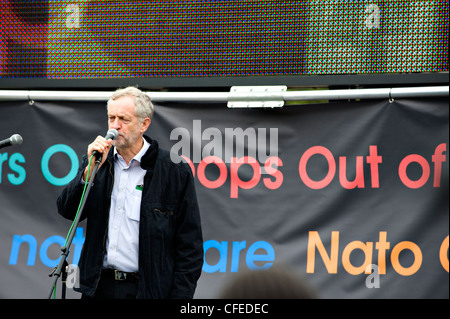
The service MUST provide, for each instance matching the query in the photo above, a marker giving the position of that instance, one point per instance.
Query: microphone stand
(61, 268)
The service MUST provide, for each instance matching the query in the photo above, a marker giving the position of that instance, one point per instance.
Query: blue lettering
(73, 159)
(221, 265)
(17, 180)
(3, 158)
(77, 244)
(251, 257)
(13, 160)
(17, 241)
(44, 247)
(236, 248)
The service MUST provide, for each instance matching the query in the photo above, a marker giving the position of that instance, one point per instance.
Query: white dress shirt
(122, 245)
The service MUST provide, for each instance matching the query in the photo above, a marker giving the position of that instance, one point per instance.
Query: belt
(120, 275)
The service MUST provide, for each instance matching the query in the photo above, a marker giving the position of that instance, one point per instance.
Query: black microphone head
(112, 134)
(16, 139)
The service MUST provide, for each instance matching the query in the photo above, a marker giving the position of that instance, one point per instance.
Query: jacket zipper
(107, 221)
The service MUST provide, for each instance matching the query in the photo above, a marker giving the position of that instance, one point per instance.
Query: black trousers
(110, 288)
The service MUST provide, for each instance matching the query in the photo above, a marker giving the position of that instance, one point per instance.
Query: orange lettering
(443, 254)
(367, 248)
(417, 258)
(329, 261)
(382, 245)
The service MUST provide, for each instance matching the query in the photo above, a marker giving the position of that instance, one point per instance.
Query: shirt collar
(138, 156)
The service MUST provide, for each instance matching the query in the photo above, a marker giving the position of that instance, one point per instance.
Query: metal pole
(219, 97)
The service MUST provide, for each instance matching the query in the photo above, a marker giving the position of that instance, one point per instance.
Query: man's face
(122, 117)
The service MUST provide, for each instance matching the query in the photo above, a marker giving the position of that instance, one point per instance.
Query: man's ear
(145, 124)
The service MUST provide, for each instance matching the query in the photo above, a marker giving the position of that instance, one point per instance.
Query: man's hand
(100, 145)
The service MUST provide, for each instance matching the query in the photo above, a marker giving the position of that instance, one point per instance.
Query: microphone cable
(111, 134)
(76, 215)
(81, 200)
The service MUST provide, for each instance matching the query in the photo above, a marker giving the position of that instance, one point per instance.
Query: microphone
(16, 139)
(112, 134)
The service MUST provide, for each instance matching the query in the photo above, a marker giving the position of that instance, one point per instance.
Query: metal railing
(247, 95)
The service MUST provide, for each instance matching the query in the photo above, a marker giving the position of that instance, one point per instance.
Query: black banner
(351, 196)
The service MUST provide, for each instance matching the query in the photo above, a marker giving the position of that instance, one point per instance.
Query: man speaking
(143, 232)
